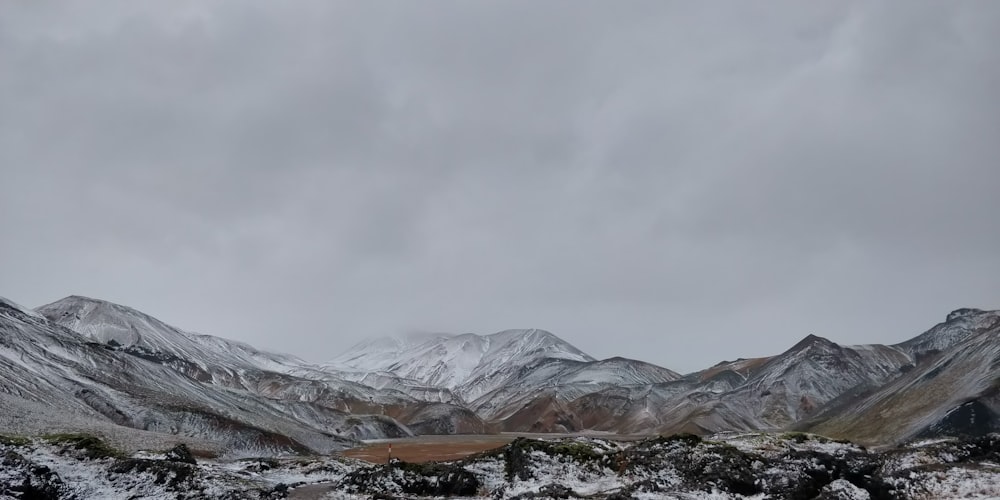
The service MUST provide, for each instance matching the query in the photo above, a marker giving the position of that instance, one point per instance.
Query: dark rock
(27, 480)
(84, 446)
(550, 491)
(972, 418)
(516, 460)
(181, 453)
(429, 479)
(701, 465)
(172, 474)
(963, 312)
(517, 455)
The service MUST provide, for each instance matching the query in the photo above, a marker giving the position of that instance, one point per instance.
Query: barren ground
(451, 447)
(428, 448)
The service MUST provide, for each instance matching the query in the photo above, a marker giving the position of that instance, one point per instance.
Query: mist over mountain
(99, 366)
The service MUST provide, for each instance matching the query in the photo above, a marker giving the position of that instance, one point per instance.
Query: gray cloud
(675, 182)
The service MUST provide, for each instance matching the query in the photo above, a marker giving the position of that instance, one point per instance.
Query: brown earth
(453, 447)
(428, 448)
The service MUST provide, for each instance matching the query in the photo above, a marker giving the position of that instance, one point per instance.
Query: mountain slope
(529, 390)
(42, 362)
(108, 323)
(470, 365)
(952, 388)
(763, 393)
(97, 363)
(794, 384)
(502, 377)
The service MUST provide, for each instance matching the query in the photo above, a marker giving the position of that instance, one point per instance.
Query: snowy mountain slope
(526, 389)
(102, 361)
(379, 354)
(952, 391)
(44, 363)
(564, 380)
(211, 359)
(386, 383)
(957, 327)
(467, 364)
(108, 323)
(631, 396)
(497, 375)
(618, 371)
(794, 384)
(763, 393)
(238, 366)
(13, 306)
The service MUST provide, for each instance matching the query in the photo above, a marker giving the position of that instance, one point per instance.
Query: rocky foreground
(724, 466)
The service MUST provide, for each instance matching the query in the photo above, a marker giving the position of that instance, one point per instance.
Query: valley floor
(438, 448)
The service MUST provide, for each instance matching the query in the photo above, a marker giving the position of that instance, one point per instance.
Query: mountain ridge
(125, 368)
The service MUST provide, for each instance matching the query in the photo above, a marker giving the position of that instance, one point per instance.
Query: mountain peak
(82, 299)
(107, 322)
(963, 312)
(75, 305)
(960, 325)
(453, 360)
(534, 340)
(813, 341)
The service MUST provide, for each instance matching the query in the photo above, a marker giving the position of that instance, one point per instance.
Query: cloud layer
(675, 182)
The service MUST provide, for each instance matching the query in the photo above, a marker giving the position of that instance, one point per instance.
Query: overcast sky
(676, 182)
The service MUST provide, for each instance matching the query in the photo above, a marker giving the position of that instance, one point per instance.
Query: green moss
(422, 469)
(516, 454)
(14, 440)
(91, 446)
(578, 451)
(802, 437)
(684, 437)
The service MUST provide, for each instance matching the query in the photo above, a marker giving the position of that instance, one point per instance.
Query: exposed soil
(428, 448)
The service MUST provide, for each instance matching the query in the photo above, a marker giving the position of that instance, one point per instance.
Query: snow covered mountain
(87, 364)
(130, 330)
(500, 375)
(165, 381)
(556, 388)
(952, 388)
(468, 364)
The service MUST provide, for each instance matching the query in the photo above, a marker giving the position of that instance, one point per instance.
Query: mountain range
(86, 364)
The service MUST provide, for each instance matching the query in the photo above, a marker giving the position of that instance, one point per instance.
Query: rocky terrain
(727, 466)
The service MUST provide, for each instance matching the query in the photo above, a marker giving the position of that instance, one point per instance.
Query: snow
(844, 490)
(105, 322)
(959, 326)
(217, 392)
(466, 363)
(96, 478)
(655, 476)
(953, 482)
(172, 381)
(22, 309)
